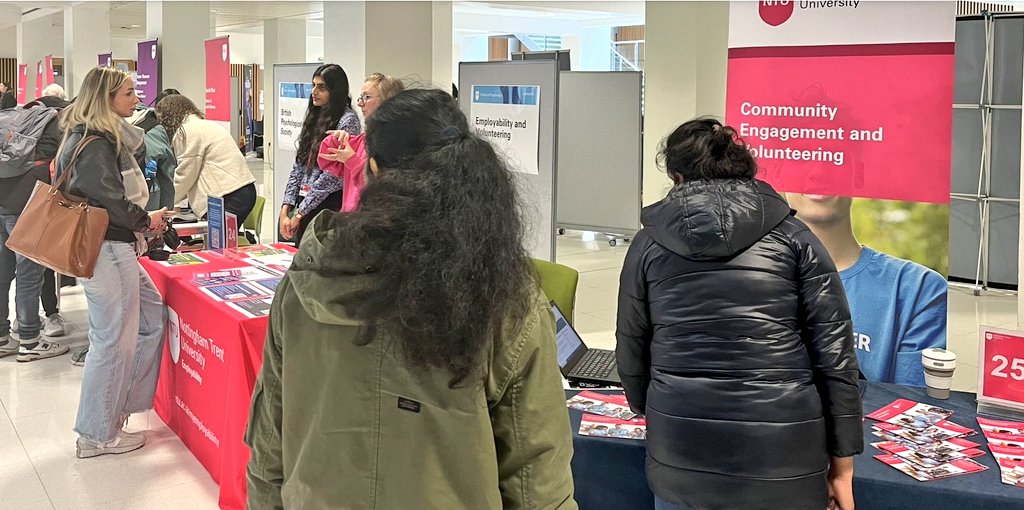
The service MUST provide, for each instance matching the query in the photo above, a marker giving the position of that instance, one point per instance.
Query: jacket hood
(709, 219)
(321, 277)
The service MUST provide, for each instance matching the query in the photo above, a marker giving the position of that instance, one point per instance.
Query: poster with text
(218, 81)
(292, 101)
(39, 79)
(509, 117)
(147, 76)
(22, 82)
(847, 108)
(106, 59)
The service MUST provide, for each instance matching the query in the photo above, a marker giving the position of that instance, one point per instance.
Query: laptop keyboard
(595, 363)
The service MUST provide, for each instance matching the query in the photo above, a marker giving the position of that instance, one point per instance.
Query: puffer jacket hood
(703, 220)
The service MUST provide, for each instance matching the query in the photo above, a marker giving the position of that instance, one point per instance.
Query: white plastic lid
(938, 358)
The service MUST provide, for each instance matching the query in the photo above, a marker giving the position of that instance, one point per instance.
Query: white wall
(314, 48)
(39, 38)
(246, 48)
(125, 47)
(9, 42)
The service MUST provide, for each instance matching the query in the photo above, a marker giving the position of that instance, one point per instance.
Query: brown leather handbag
(58, 230)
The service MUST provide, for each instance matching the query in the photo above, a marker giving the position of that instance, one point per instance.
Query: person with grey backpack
(25, 143)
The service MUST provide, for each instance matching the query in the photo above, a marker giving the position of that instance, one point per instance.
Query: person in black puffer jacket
(734, 339)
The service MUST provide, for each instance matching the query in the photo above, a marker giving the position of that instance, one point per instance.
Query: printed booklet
(960, 467)
(910, 414)
(933, 455)
(1000, 427)
(613, 405)
(604, 426)
(942, 431)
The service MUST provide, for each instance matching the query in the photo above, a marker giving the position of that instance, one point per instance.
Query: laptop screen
(566, 339)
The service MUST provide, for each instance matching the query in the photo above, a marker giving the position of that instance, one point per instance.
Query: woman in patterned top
(310, 189)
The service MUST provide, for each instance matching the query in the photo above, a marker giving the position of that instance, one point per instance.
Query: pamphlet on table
(611, 405)
(922, 443)
(604, 426)
(183, 259)
(1006, 441)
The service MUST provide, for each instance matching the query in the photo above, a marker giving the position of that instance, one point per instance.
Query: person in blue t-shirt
(898, 306)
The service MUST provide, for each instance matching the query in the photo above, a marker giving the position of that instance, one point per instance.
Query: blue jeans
(28, 285)
(126, 331)
(661, 504)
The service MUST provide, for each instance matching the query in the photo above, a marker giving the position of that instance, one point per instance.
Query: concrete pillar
(442, 73)
(86, 35)
(183, 28)
(408, 40)
(345, 40)
(687, 47)
(10, 17)
(284, 42)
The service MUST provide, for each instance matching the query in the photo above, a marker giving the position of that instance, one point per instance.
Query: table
(608, 473)
(212, 357)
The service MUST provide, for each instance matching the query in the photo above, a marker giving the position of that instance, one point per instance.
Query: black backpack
(20, 130)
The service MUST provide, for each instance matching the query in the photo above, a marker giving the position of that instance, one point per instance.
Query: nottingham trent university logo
(775, 13)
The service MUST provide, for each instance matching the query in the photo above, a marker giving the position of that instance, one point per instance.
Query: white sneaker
(9, 346)
(123, 443)
(53, 325)
(42, 350)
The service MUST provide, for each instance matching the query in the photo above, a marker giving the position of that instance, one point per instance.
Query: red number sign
(1001, 377)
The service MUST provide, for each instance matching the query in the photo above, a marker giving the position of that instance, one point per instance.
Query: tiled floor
(38, 401)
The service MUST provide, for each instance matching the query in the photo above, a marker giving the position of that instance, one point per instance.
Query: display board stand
(284, 155)
(538, 192)
(600, 148)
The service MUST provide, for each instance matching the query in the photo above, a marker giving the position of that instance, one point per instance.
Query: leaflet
(606, 404)
(261, 250)
(1011, 473)
(1000, 426)
(1008, 454)
(253, 308)
(928, 456)
(604, 426)
(960, 467)
(238, 291)
(1011, 440)
(183, 259)
(910, 414)
(942, 431)
(240, 274)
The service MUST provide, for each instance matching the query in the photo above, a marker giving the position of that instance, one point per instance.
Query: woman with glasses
(346, 156)
(310, 189)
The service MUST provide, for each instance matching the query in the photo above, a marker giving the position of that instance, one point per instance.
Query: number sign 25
(1001, 378)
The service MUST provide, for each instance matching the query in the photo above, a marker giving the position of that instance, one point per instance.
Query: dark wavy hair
(172, 110)
(441, 224)
(703, 148)
(320, 119)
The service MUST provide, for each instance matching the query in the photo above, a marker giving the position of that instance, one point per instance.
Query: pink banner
(39, 79)
(218, 80)
(106, 59)
(48, 68)
(862, 110)
(22, 83)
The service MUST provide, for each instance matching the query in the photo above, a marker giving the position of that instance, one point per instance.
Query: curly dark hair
(319, 119)
(442, 225)
(172, 110)
(703, 148)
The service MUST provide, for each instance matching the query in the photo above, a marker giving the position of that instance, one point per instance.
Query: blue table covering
(609, 473)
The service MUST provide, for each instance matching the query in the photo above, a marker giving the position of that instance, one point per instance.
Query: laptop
(580, 364)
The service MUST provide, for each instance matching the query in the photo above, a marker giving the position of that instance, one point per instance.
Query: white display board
(508, 116)
(284, 150)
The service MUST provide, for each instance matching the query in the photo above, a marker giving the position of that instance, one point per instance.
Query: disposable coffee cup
(939, 365)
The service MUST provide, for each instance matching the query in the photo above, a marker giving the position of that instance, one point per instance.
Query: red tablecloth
(212, 356)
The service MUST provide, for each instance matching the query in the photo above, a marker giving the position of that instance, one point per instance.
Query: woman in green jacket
(410, 359)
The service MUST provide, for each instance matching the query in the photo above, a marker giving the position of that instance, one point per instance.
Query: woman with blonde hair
(345, 155)
(126, 313)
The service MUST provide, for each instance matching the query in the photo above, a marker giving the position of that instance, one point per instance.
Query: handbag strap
(66, 174)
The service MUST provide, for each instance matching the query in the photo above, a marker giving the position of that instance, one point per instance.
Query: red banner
(218, 80)
(39, 79)
(48, 69)
(22, 83)
(862, 110)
